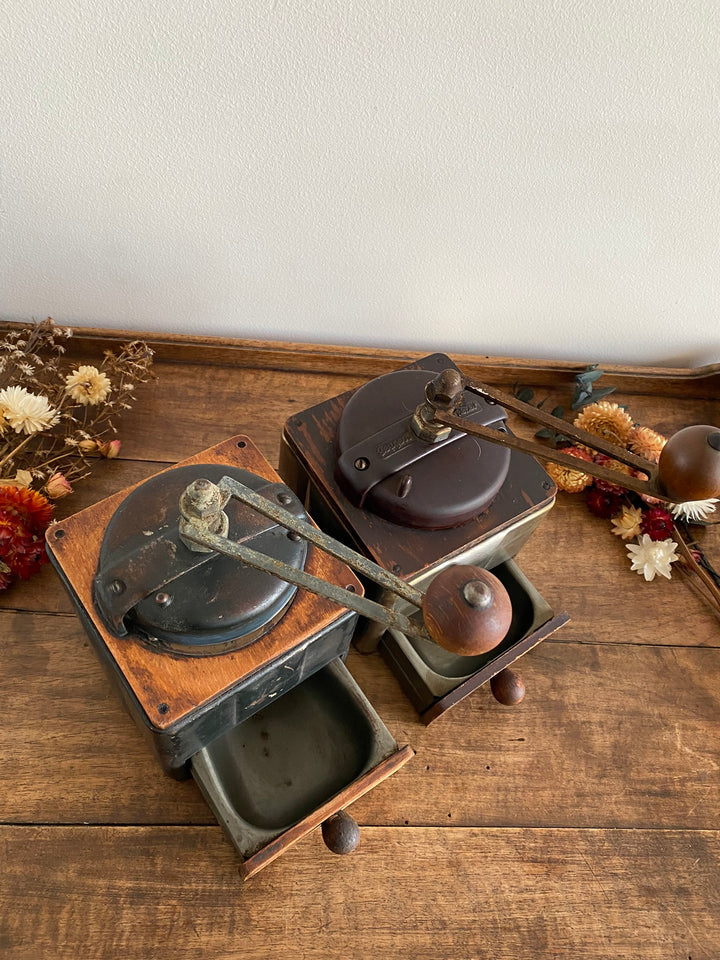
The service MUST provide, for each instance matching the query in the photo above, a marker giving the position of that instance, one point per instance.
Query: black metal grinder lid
(151, 584)
(384, 467)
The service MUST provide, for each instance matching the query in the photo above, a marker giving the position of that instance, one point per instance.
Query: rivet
(477, 594)
(285, 498)
(404, 486)
(163, 599)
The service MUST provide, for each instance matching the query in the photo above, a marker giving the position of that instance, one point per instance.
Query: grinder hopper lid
(386, 469)
(151, 585)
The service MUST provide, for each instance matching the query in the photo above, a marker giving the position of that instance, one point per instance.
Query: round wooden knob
(507, 687)
(467, 610)
(689, 465)
(340, 833)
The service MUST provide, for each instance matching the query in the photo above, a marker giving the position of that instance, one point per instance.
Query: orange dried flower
(607, 420)
(647, 443)
(571, 481)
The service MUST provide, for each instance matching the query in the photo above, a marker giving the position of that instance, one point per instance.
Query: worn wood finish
(580, 823)
(182, 684)
(414, 894)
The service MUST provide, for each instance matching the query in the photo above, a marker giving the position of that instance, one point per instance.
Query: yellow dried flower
(647, 443)
(627, 523)
(607, 420)
(87, 385)
(571, 481)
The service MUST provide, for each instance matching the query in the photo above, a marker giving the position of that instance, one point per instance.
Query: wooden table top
(582, 823)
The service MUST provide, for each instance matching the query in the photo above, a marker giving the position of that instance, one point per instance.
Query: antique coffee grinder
(418, 498)
(224, 616)
(419, 470)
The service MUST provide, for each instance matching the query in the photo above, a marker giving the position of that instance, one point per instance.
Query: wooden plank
(419, 894)
(187, 409)
(578, 565)
(364, 362)
(613, 735)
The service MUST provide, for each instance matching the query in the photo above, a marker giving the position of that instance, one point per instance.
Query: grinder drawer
(281, 773)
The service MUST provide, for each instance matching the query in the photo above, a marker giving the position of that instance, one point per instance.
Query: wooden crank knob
(340, 833)
(689, 464)
(467, 610)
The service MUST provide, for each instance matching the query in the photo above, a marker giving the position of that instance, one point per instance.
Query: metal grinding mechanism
(224, 616)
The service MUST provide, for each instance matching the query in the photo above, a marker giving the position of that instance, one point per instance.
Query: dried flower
(571, 481)
(87, 385)
(607, 420)
(109, 450)
(627, 523)
(657, 523)
(58, 486)
(694, 510)
(26, 412)
(53, 417)
(646, 443)
(652, 556)
(24, 517)
(603, 503)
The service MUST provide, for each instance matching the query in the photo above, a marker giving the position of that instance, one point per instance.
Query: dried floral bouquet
(56, 420)
(657, 534)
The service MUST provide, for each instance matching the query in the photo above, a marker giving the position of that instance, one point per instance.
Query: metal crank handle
(688, 469)
(465, 609)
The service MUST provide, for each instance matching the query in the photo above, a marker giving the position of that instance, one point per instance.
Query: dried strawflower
(53, 417)
(87, 385)
(696, 511)
(657, 523)
(24, 518)
(652, 556)
(26, 412)
(627, 523)
(646, 443)
(603, 503)
(571, 481)
(615, 465)
(607, 420)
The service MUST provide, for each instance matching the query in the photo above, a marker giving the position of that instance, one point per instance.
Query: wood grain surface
(581, 823)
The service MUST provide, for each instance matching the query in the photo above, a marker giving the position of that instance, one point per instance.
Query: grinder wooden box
(417, 508)
(265, 717)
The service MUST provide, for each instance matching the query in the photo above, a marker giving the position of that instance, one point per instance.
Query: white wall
(536, 178)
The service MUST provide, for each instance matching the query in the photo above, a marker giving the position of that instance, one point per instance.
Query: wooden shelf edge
(362, 361)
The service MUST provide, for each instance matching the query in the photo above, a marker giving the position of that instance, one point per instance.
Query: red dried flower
(657, 523)
(24, 517)
(603, 503)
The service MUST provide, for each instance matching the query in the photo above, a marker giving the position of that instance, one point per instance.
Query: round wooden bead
(340, 833)
(689, 464)
(467, 610)
(507, 687)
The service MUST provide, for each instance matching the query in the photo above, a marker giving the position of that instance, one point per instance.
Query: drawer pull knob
(341, 833)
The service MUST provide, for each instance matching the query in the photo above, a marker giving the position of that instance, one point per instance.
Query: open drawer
(435, 679)
(288, 768)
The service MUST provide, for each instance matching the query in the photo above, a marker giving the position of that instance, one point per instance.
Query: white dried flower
(26, 412)
(652, 556)
(693, 510)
